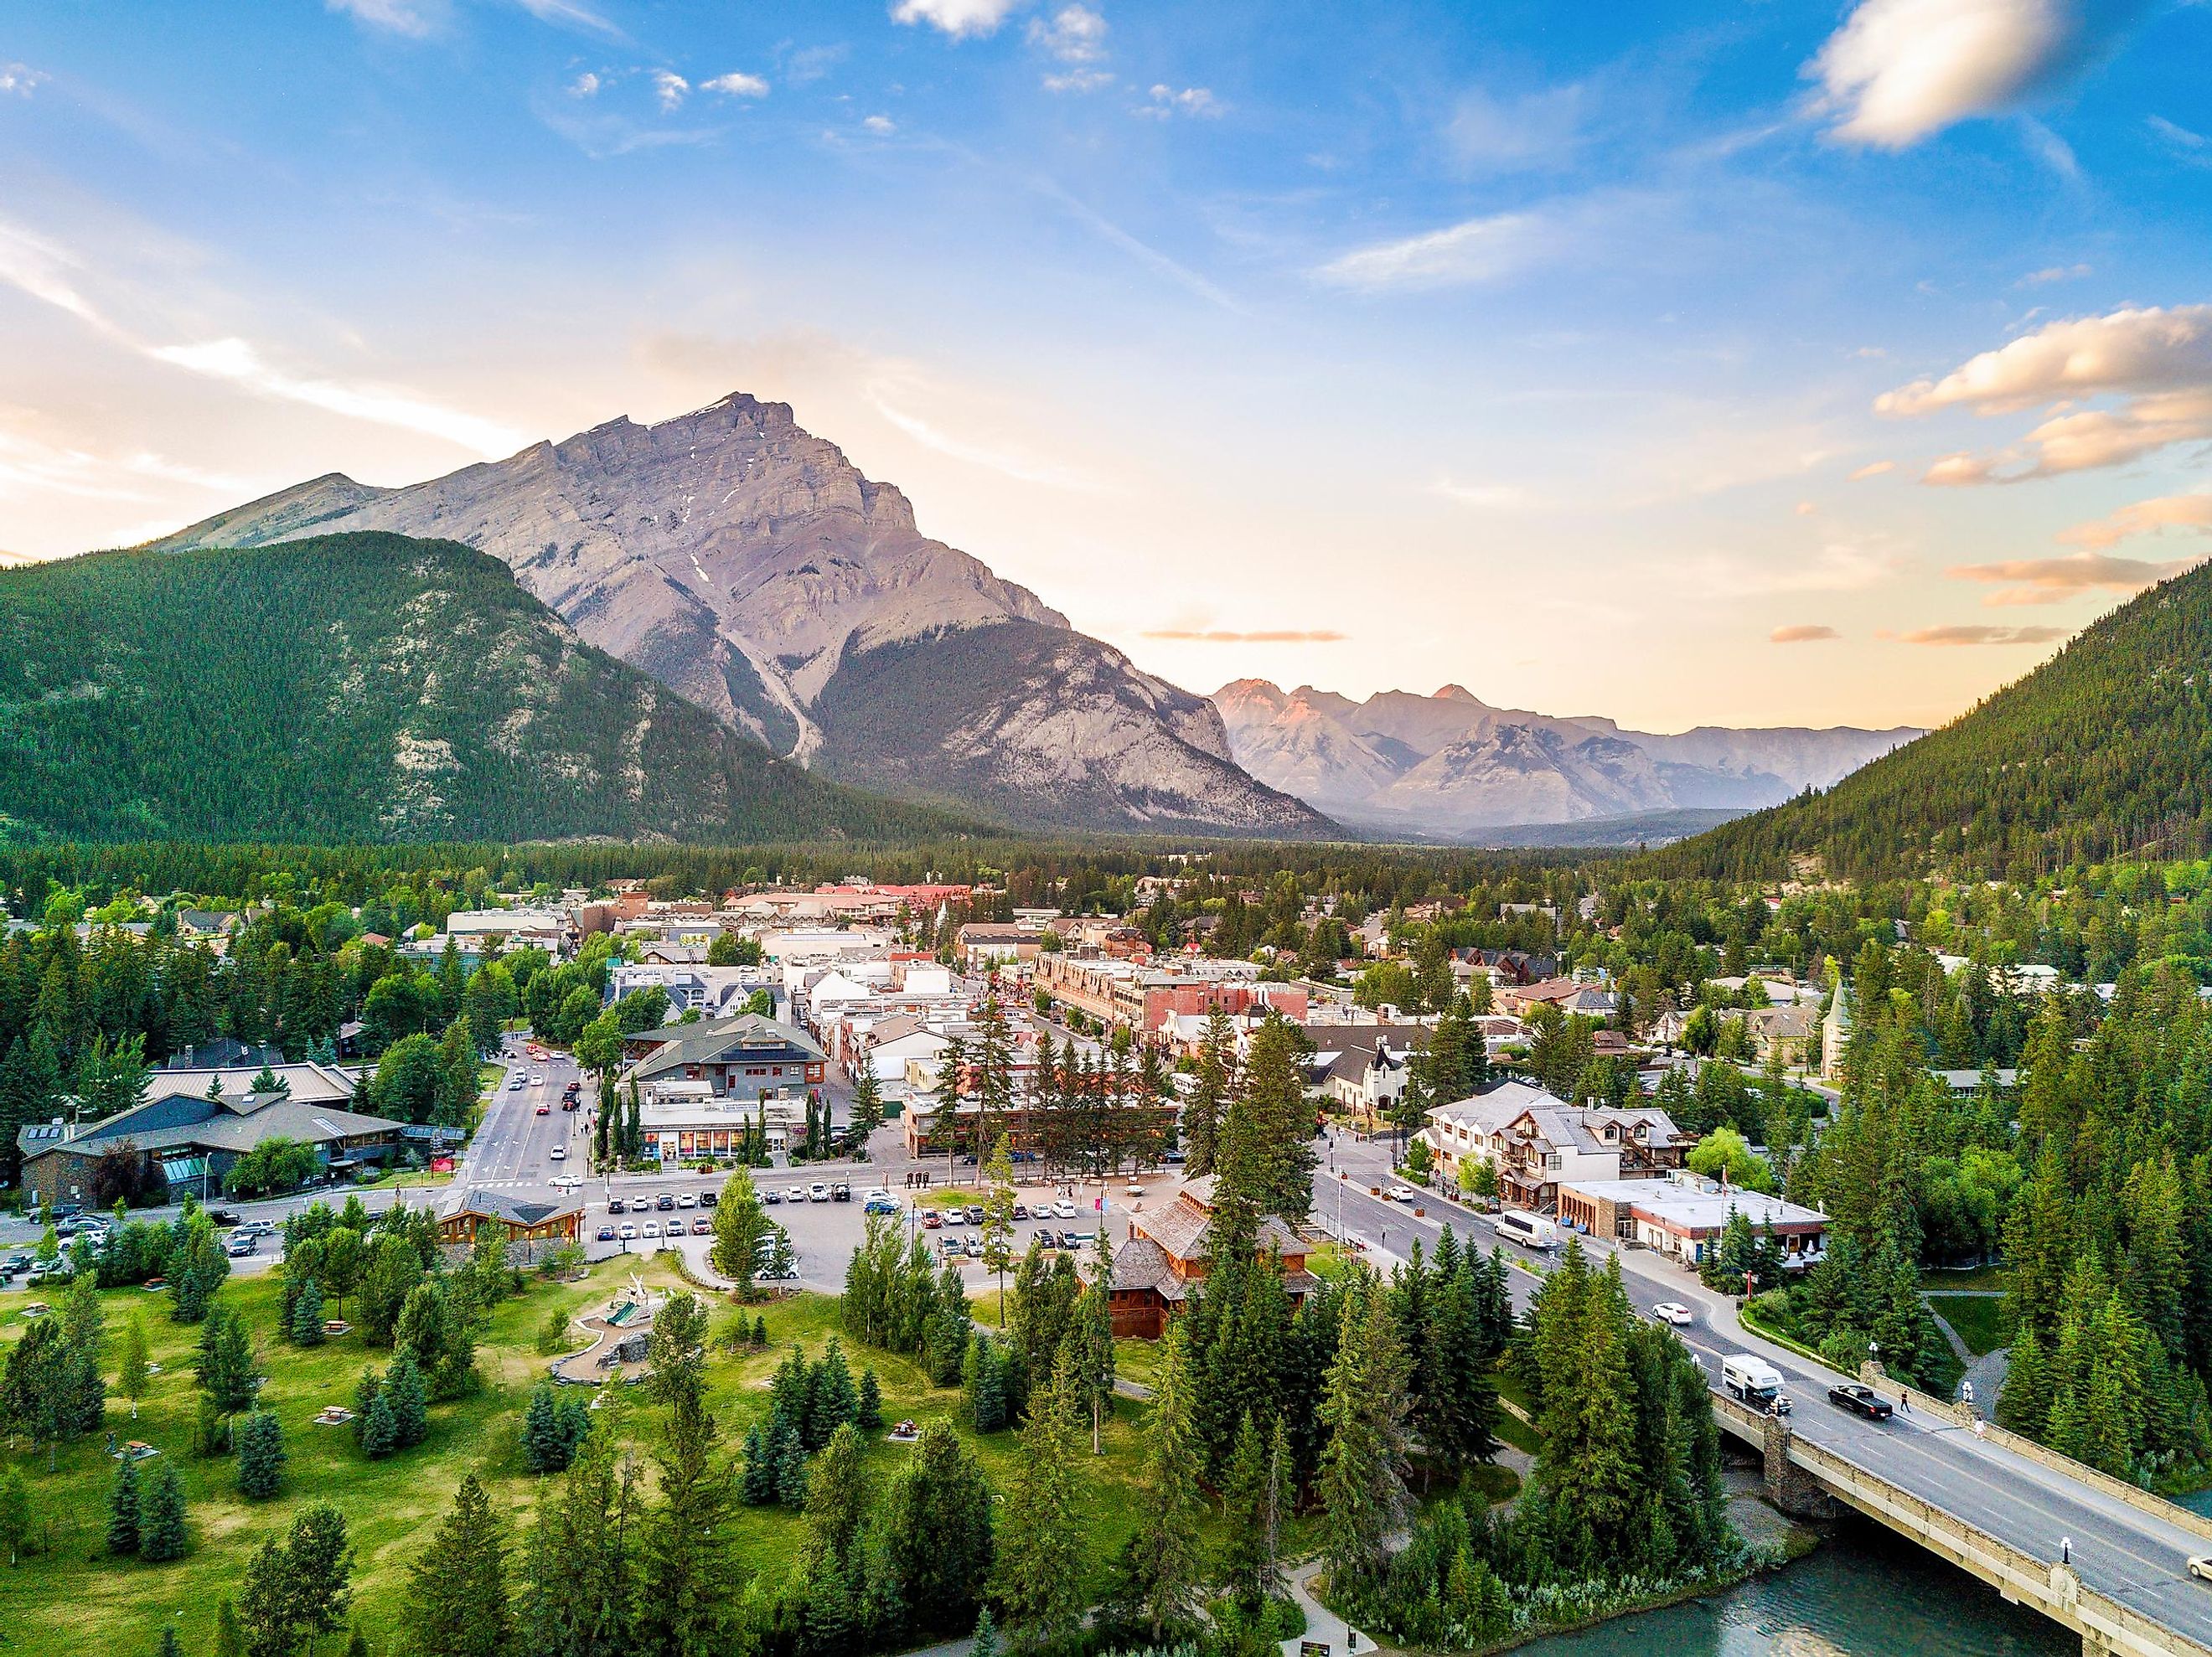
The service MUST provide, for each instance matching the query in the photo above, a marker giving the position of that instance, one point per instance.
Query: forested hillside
(2104, 751)
(360, 687)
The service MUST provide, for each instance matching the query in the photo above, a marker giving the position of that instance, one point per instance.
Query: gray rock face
(1450, 764)
(748, 565)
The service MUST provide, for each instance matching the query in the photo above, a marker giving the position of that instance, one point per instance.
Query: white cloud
(1900, 69)
(1489, 134)
(670, 88)
(584, 85)
(2169, 511)
(27, 464)
(2186, 145)
(48, 272)
(2053, 273)
(1873, 469)
(882, 125)
(2157, 362)
(1495, 497)
(736, 84)
(415, 18)
(1074, 34)
(957, 18)
(1080, 80)
(569, 14)
(1983, 635)
(2053, 151)
(1167, 102)
(20, 79)
(1473, 251)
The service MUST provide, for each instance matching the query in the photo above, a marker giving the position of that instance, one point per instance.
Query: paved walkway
(1323, 1626)
(1985, 1373)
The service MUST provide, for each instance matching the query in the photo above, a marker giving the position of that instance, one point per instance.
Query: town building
(1362, 1069)
(1162, 1265)
(743, 1057)
(1536, 1142)
(1683, 1216)
(195, 1124)
(521, 1223)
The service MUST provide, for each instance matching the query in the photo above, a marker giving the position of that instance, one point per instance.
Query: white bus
(1529, 1230)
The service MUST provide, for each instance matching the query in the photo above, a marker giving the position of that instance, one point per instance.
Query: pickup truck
(1859, 1400)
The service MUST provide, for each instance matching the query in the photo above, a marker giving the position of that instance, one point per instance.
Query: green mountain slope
(2105, 750)
(362, 687)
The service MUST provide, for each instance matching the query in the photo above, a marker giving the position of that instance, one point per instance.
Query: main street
(2133, 1555)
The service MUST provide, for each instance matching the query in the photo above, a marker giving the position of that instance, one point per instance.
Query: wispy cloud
(961, 19)
(1143, 251)
(1535, 132)
(2054, 581)
(47, 271)
(1007, 462)
(20, 79)
(882, 125)
(1473, 251)
(2170, 511)
(1497, 496)
(1897, 71)
(2179, 141)
(1074, 34)
(417, 20)
(567, 13)
(2053, 273)
(1803, 634)
(585, 85)
(1165, 102)
(1873, 469)
(671, 88)
(1983, 635)
(1260, 636)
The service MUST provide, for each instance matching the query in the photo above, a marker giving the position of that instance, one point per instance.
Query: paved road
(2133, 1556)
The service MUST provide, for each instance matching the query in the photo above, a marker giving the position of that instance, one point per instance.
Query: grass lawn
(1937, 1279)
(71, 1596)
(1980, 1319)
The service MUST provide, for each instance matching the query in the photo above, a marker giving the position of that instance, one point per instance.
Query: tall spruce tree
(456, 1603)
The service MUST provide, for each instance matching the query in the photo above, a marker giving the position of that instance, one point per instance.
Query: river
(1862, 1594)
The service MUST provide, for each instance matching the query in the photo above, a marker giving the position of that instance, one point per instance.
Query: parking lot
(824, 1233)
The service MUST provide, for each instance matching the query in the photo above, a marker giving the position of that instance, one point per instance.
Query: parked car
(663, 1202)
(676, 1227)
(628, 1231)
(879, 1204)
(818, 1191)
(653, 1227)
(770, 1194)
(955, 1217)
(796, 1194)
(931, 1219)
(1063, 1210)
(614, 1206)
(239, 1247)
(1405, 1194)
(840, 1193)
(1021, 1211)
(219, 1215)
(974, 1248)
(2200, 1566)
(1860, 1400)
(975, 1213)
(1673, 1311)
(707, 1199)
(688, 1199)
(606, 1233)
(1075, 1241)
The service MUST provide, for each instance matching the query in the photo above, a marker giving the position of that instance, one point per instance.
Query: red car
(544, 1110)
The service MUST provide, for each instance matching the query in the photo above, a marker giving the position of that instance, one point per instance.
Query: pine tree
(307, 1315)
(457, 1601)
(938, 1536)
(1164, 1565)
(379, 1432)
(161, 1535)
(756, 1483)
(170, 1646)
(123, 1510)
(229, 1638)
(1040, 1569)
(542, 1450)
(870, 1417)
(789, 1457)
(1255, 1497)
(318, 1566)
(260, 1455)
(404, 1397)
(15, 1514)
(1363, 1494)
(84, 1403)
(986, 1384)
(686, 1608)
(986, 1642)
(831, 1401)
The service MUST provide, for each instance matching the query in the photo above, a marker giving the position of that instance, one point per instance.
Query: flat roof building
(1684, 1215)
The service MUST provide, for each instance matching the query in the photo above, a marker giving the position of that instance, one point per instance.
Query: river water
(1862, 1594)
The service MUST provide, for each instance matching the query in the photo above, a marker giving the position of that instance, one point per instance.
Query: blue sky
(1745, 363)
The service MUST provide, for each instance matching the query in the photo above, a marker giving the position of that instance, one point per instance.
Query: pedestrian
(1903, 1401)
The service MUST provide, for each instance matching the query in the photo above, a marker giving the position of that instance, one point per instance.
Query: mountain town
(731, 923)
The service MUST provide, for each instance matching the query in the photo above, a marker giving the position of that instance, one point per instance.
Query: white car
(559, 1153)
(537, 1081)
(2200, 1566)
(688, 1199)
(1673, 1311)
(1405, 1194)
(1063, 1210)
(817, 1192)
(676, 1227)
(628, 1231)
(653, 1227)
(515, 1084)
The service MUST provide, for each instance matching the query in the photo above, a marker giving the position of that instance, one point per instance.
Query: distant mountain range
(2103, 752)
(750, 568)
(1451, 766)
(362, 687)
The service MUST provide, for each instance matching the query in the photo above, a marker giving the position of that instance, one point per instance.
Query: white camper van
(1529, 1230)
(1754, 1381)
